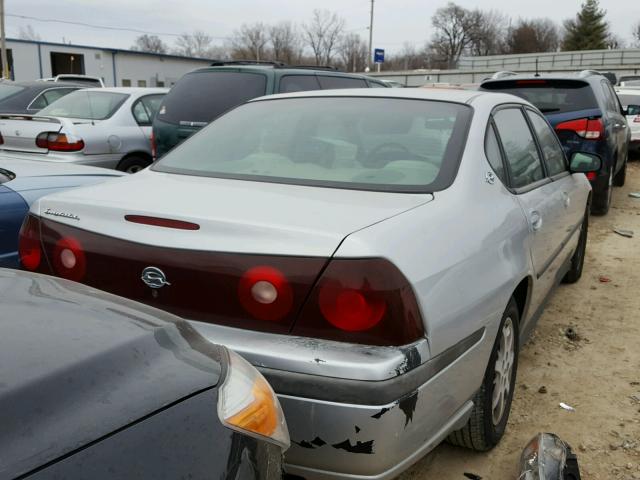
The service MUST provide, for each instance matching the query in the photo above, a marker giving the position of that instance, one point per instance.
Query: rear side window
(551, 149)
(298, 83)
(200, 97)
(145, 108)
(329, 83)
(550, 96)
(48, 97)
(86, 104)
(519, 147)
(492, 150)
(612, 100)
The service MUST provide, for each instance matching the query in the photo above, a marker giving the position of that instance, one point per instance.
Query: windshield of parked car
(86, 104)
(626, 99)
(199, 97)
(7, 90)
(387, 144)
(550, 96)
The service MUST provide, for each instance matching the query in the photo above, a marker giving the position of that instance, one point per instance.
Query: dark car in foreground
(204, 94)
(22, 182)
(93, 386)
(29, 97)
(586, 115)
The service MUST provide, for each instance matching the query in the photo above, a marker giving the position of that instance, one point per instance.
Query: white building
(30, 60)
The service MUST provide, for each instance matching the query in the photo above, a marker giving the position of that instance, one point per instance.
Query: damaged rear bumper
(357, 411)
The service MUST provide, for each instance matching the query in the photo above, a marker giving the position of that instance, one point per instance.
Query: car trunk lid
(19, 132)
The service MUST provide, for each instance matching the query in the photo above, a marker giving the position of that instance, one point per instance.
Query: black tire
(577, 261)
(133, 164)
(482, 432)
(602, 198)
(621, 176)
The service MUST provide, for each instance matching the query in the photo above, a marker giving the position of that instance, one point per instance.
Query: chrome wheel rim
(503, 371)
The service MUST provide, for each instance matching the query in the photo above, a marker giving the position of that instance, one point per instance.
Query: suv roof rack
(314, 67)
(502, 74)
(220, 63)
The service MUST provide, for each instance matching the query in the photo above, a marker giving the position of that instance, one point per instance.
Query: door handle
(536, 220)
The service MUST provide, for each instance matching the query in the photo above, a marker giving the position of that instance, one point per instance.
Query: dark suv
(204, 94)
(586, 115)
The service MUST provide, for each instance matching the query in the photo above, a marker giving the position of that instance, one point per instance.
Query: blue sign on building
(378, 55)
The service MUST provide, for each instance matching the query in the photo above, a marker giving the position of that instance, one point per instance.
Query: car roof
(44, 85)
(440, 94)
(280, 70)
(578, 76)
(129, 90)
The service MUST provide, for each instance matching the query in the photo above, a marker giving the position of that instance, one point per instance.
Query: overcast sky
(396, 21)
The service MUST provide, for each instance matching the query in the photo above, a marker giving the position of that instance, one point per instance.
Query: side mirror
(632, 110)
(583, 162)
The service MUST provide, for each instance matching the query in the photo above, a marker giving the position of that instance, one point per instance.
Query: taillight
(591, 129)
(69, 259)
(154, 152)
(635, 120)
(265, 293)
(591, 176)
(59, 142)
(162, 222)
(29, 244)
(362, 301)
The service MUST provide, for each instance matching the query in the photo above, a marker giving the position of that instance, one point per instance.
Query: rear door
(535, 191)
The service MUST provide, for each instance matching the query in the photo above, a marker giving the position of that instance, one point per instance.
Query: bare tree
(533, 36)
(353, 52)
(322, 34)
(196, 44)
(636, 34)
(285, 42)
(489, 34)
(454, 26)
(249, 41)
(149, 43)
(28, 33)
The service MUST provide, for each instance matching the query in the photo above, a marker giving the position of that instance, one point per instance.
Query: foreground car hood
(233, 215)
(77, 364)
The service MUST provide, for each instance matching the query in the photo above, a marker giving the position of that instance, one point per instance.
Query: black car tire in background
(481, 433)
(577, 261)
(133, 164)
(602, 197)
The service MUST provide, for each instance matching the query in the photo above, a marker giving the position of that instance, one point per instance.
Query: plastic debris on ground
(634, 194)
(546, 457)
(623, 232)
(569, 408)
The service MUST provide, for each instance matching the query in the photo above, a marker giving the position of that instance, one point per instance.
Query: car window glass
(152, 103)
(612, 103)
(86, 104)
(298, 83)
(38, 103)
(627, 99)
(492, 151)
(56, 93)
(551, 149)
(203, 96)
(376, 85)
(140, 113)
(7, 90)
(329, 83)
(519, 146)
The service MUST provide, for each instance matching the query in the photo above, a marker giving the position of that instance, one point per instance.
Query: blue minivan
(587, 116)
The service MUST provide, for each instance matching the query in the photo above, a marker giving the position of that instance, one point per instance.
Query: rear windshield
(86, 104)
(626, 99)
(550, 96)
(199, 97)
(7, 90)
(381, 144)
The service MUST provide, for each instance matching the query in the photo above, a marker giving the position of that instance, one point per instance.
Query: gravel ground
(597, 373)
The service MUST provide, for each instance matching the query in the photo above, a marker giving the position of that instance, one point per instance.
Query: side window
(612, 102)
(551, 149)
(492, 151)
(329, 83)
(298, 83)
(53, 95)
(373, 84)
(39, 103)
(522, 156)
(140, 113)
(145, 108)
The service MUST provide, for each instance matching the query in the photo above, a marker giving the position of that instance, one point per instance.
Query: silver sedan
(380, 255)
(101, 127)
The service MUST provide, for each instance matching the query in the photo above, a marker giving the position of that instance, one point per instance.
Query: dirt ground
(598, 374)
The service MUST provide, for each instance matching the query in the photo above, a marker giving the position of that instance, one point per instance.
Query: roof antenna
(537, 73)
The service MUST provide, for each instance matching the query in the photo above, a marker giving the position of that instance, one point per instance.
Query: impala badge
(154, 277)
(70, 216)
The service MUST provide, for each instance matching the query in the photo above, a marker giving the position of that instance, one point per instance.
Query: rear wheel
(133, 164)
(621, 176)
(492, 403)
(577, 261)
(602, 198)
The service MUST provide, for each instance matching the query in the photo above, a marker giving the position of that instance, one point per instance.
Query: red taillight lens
(162, 222)
(531, 82)
(59, 142)
(154, 152)
(362, 301)
(265, 293)
(591, 129)
(591, 176)
(29, 244)
(635, 120)
(69, 259)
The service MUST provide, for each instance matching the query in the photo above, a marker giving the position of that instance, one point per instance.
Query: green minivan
(204, 94)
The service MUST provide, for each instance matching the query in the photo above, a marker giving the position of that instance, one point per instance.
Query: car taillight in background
(591, 129)
(247, 403)
(154, 151)
(636, 119)
(59, 142)
(29, 243)
(68, 259)
(591, 176)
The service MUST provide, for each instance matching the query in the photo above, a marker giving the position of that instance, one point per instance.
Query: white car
(101, 127)
(630, 100)
(378, 254)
